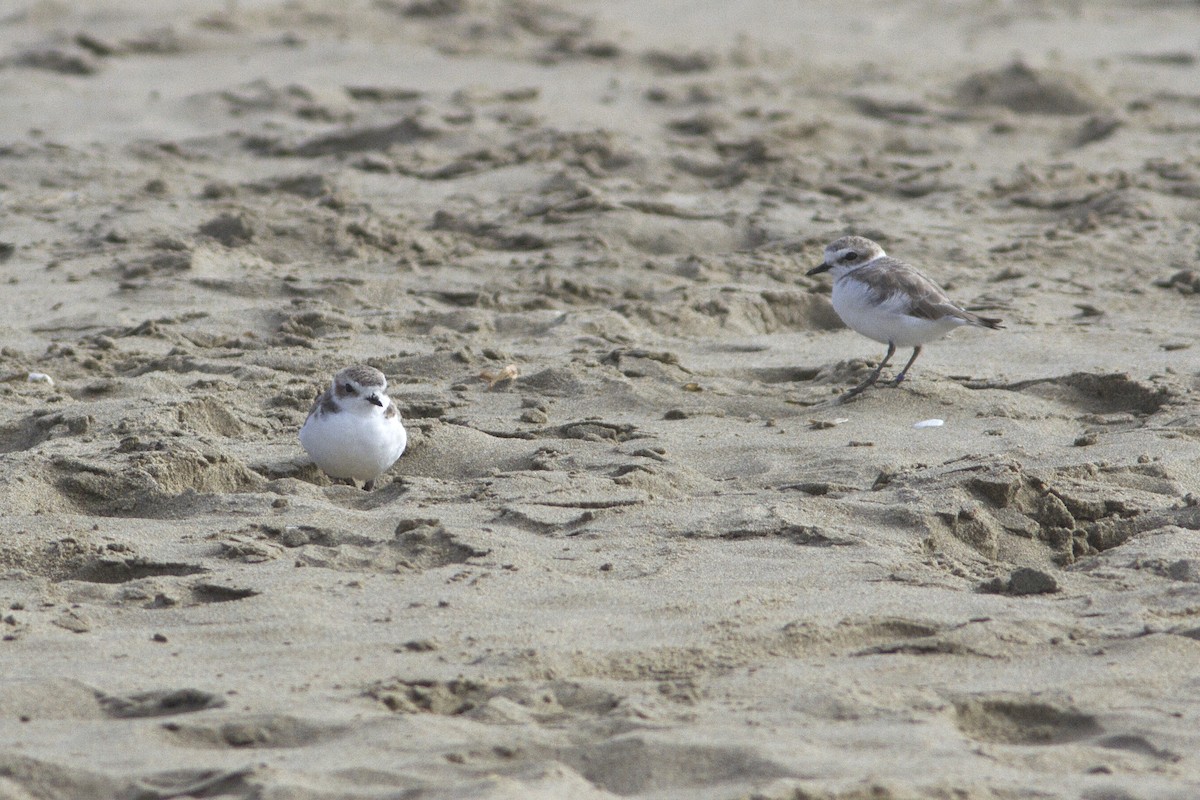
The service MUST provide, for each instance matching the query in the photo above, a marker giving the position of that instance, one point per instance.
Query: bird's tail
(987, 322)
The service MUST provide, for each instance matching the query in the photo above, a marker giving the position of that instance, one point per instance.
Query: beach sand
(656, 558)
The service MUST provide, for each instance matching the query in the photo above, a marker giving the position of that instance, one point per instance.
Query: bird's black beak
(817, 270)
(374, 400)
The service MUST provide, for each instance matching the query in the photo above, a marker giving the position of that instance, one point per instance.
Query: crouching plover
(354, 430)
(890, 301)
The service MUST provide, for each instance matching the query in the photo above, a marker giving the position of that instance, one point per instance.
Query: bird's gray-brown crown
(848, 252)
(364, 376)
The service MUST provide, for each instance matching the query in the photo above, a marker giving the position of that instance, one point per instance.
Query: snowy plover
(890, 301)
(354, 429)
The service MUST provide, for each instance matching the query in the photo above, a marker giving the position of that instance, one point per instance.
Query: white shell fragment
(40, 377)
(930, 423)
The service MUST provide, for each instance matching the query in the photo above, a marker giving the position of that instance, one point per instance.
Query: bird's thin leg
(916, 352)
(369, 485)
(874, 376)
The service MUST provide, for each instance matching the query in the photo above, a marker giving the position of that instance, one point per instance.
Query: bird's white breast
(354, 445)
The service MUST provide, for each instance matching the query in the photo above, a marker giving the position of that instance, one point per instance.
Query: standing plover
(890, 301)
(354, 430)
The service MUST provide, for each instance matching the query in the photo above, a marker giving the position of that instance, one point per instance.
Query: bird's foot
(857, 390)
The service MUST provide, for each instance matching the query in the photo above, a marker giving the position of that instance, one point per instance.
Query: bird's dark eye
(348, 388)
(851, 256)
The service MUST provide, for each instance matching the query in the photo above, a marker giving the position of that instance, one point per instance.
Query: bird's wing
(891, 279)
(323, 403)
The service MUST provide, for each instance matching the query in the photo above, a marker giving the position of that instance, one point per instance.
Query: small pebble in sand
(507, 374)
(929, 423)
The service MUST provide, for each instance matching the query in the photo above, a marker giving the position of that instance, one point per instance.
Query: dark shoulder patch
(322, 405)
(327, 404)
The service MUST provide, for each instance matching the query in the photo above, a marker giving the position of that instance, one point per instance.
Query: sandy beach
(636, 547)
